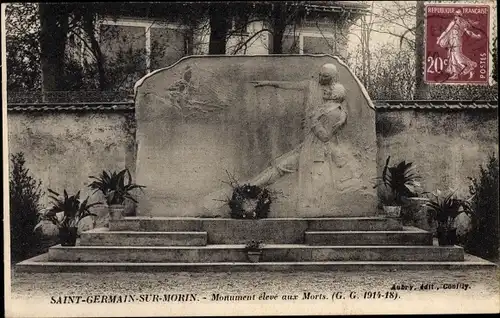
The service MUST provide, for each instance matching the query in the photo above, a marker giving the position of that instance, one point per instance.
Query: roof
(332, 5)
(175, 9)
(71, 107)
(129, 106)
(436, 104)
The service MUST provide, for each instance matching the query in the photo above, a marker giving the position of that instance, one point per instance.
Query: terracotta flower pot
(116, 211)
(67, 236)
(392, 211)
(446, 237)
(254, 256)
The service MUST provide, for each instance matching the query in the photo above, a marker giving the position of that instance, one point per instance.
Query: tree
(391, 74)
(220, 23)
(37, 50)
(84, 22)
(421, 91)
(53, 34)
(22, 47)
(24, 198)
(494, 53)
(364, 56)
(483, 239)
(276, 16)
(281, 16)
(398, 19)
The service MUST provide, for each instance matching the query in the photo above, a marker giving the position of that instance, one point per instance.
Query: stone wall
(64, 148)
(447, 145)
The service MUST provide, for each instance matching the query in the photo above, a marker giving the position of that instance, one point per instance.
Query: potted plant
(391, 208)
(116, 189)
(443, 208)
(254, 251)
(400, 182)
(66, 213)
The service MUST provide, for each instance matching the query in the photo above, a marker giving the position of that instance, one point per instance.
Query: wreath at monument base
(250, 202)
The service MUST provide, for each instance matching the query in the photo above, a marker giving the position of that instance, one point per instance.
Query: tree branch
(239, 47)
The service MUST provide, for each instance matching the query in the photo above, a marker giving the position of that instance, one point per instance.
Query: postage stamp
(457, 44)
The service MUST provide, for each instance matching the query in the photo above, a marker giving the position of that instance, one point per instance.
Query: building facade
(150, 41)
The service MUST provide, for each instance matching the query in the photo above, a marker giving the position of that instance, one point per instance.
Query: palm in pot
(116, 187)
(399, 182)
(443, 208)
(66, 213)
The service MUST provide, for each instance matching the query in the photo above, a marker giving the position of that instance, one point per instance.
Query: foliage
(114, 187)
(22, 46)
(70, 209)
(464, 92)
(391, 73)
(392, 77)
(444, 207)
(253, 246)
(387, 70)
(494, 53)
(127, 67)
(400, 179)
(79, 72)
(24, 203)
(250, 202)
(387, 198)
(483, 238)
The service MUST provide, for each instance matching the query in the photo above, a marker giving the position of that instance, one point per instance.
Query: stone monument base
(208, 244)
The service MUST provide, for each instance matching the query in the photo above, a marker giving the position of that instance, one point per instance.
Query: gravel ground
(32, 292)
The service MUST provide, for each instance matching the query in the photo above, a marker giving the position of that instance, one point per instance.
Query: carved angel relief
(191, 98)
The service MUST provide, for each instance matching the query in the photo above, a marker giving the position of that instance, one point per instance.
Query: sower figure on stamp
(452, 39)
(320, 159)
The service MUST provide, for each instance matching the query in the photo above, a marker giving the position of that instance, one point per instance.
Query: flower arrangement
(253, 246)
(254, 251)
(249, 201)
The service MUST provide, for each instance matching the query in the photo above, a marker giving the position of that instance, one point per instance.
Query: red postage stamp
(457, 41)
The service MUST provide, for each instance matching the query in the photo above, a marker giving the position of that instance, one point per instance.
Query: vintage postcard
(250, 158)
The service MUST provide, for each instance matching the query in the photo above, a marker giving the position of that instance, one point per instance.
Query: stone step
(355, 224)
(272, 231)
(41, 264)
(236, 253)
(105, 237)
(408, 236)
(156, 224)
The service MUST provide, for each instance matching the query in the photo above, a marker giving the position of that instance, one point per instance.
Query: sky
(380, 12)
